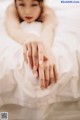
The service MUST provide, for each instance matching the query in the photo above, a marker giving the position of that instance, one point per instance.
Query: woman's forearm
(47, 35)
(20, 36)
(49, 26)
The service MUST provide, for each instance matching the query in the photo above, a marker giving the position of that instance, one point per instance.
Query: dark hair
(40, 0)
(37, 0)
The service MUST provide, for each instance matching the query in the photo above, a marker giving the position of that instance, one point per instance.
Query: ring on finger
(40, 62)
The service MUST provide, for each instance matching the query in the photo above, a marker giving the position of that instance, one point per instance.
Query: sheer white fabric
(17, 83)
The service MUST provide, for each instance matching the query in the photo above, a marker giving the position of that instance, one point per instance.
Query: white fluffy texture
(34, 28)
(21, 87)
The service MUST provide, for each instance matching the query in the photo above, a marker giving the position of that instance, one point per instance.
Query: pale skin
(47, 70)
(38, 49)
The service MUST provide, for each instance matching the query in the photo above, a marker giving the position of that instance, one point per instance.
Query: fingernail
(35, 74)
(30, 66)
(42, 87)
(35, 68)
(46, 86)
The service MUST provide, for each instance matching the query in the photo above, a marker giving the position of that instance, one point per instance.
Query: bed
(60, 101)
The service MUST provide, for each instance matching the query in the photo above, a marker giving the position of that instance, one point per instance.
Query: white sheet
(24, 90)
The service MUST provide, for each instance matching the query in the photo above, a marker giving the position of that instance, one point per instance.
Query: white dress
(17, 83)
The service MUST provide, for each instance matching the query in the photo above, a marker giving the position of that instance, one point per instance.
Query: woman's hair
(40, 0)
(37, 0)
(42, 7)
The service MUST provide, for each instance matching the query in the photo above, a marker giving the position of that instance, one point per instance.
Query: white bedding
(66, 50)
(24, 90)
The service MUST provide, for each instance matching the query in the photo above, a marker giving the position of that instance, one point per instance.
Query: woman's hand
(48, 73)
(41, 64)
(32, 52)
(47, 64)
(30, 49)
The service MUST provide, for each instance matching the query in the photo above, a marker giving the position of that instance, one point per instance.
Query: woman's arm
(49, 24)
(12, 24)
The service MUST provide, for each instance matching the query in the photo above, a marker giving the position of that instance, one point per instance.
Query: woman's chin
(29, 21)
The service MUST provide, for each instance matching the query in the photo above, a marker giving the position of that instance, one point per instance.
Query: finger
(35, 74)
(30, 55)
(35, 56)
(46, 74)
(51, 74)
(25, 53)
(55, 73)
(41, 76)
(40, 53)
(41, 66)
